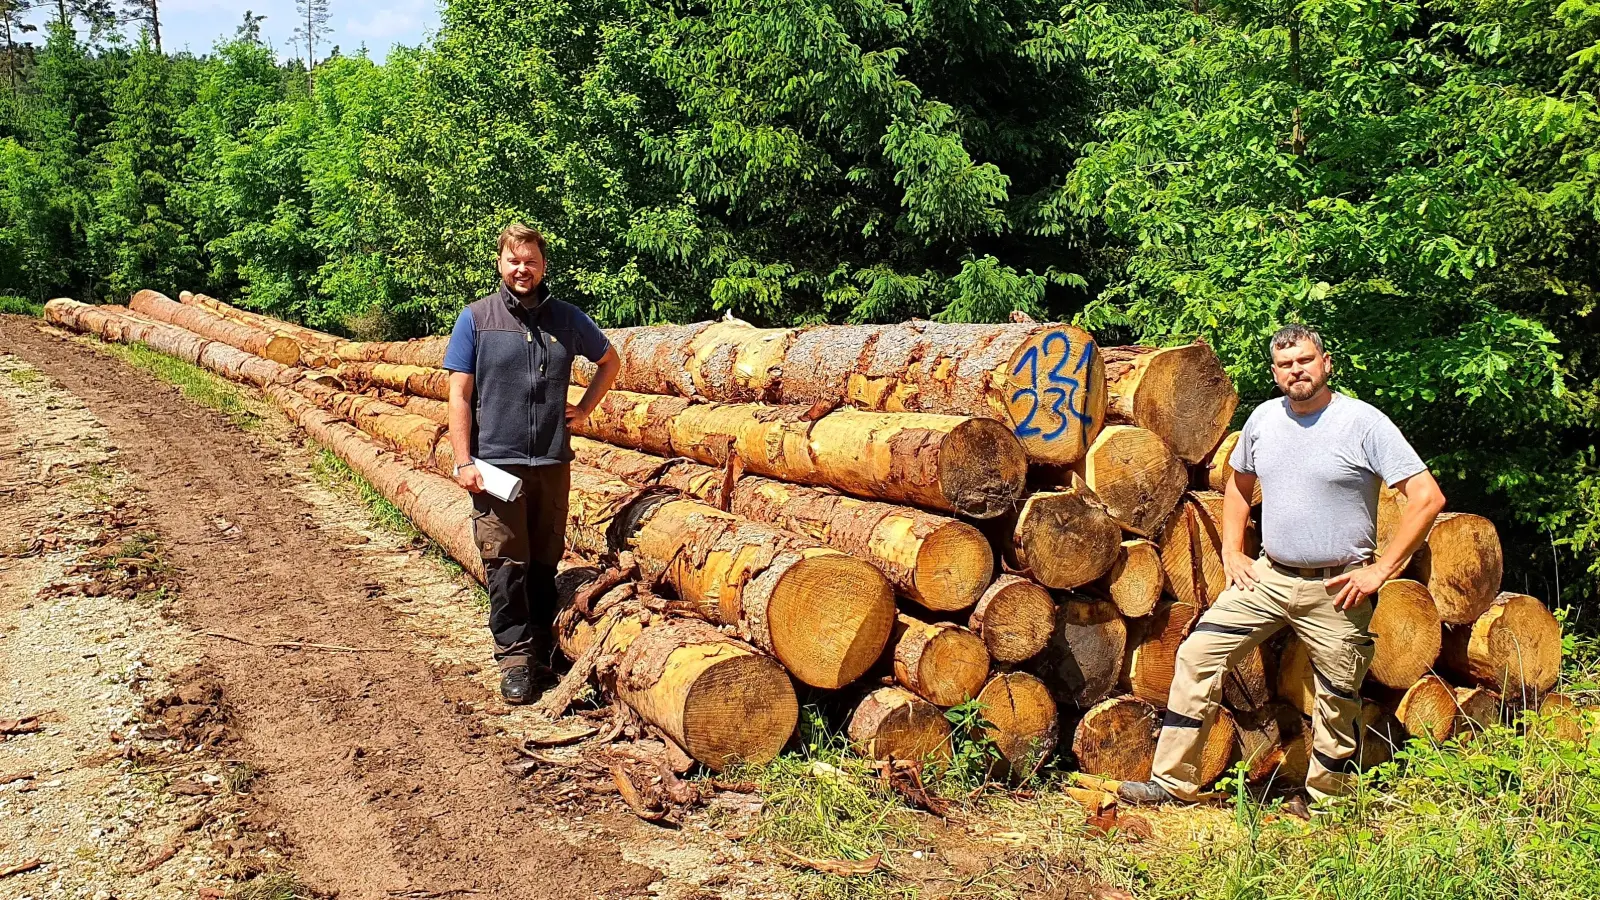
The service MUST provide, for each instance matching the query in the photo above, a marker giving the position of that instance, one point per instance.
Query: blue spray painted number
(1065, 396)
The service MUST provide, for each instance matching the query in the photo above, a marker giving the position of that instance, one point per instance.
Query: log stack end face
(953, 567)
(1055, 394)
(835, 608)
(982, 468)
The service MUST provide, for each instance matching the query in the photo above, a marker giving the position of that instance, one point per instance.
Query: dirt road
(380, 772)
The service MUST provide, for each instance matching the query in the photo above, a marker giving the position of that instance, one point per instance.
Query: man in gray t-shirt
(1319, 458)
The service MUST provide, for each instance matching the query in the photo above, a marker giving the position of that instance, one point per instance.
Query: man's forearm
(460, 418)
(1235, 514)
(605, 375)
(1408, 535)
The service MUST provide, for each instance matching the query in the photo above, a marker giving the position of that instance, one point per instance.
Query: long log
(825, 615)
(1085, 656)
(1461, 564)
(1015, 617)
(942, 563)
(1043, 382)
(422, 381)
(1117, 739)
(1154, 657)
(1135, 475)
(957, 464)
(315, 346)
(1022, 722)
(893, 723)
(1180, 393)
(1062, 539)
(278, 347)
(941, 662)
(1406, 631)
(1191, 549)
(1135, 580)
(1218, 468)
(1513, 648)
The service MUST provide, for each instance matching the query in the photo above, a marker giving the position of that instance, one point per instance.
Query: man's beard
(1301, 391)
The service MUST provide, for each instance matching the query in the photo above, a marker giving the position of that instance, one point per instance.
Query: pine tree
(147, 12)
(250, 28)
(313, 28)
(12, 25)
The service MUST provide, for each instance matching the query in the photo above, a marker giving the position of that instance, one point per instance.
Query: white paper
(497, 482)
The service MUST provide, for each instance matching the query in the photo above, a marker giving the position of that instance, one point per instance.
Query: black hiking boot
(516, 685)
(1144, 793)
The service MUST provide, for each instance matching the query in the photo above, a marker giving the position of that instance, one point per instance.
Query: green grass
(336, 473)
(24, 376)
(193, 382)
(272, 886)
(20, 306)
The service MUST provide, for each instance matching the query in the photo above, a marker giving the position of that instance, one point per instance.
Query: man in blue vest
(510, 360)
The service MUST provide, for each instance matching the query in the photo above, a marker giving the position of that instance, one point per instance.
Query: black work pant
(520, 542)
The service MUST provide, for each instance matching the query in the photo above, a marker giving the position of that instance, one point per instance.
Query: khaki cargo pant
(1340, 648)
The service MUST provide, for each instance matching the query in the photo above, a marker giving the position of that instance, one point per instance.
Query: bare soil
(373, 774)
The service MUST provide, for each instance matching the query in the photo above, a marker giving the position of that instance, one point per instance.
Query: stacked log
(278, 347)
(893, 723)
(1015, 617)
(942, 663)
(1180, 393)
(1136, 476)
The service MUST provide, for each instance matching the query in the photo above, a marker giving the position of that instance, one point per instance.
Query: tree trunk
(1461, 565)
(1117, 739)
(1180, 393)
(1043, 382)
(1134, 474)
(1248, 685)
(419, 437)
(1217, 469)
(1405, 628)
(1085, 656)
(893, 723)
(1296, 680)
(1514, 647)
(1427, 709)
(1015, 617)
(1191, 550)
(279, 348)
(421, 381)
(1154, 658)
(942, 663)
(941, 563)
(1135, 580)
(1023, 722)
(948, 463)
(316, 347)
(1061, 539)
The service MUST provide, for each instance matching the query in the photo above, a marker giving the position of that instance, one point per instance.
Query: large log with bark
(1045, 383)
(1085, 656)
(893, 723)
(1180, 393)
(940, 662)
(943, 564)
(1060, 538)
(825, 615)
(1015, 617)
(1513, 648)
(276, 346)
(1135, 580)
(1135, 475)
(1461, 564)
(1154, 658)
(1117, 739)
(1191, 549)
(316, 347)
(1406, 633)
(965, 465)
(1023, 721)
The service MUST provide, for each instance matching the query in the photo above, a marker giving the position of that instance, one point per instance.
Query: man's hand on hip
(1240, 569)
(576, 416)
(468, 477)
(1356, 585)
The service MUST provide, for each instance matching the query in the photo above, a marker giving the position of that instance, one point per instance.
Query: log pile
(1005, 516)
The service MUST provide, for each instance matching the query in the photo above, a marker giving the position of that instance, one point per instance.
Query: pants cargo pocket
(1357, 658)
(490, 534)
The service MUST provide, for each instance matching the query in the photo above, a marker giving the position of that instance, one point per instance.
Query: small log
(1135, 580)
(1219, 750)
(1461, 564)
(1514, 647)
(1086, 651)
(1560, 719)
(1191, 550)
(1407, 633)
(1117, 739)
(1180, 393)
(1218, 468)
(1022, 719)
(1479, 708)
(1248, 685)
(942, 663)
(893, 723)
(1135, 475)
(1154, 658)
(1427, 709)
(1015, 617)
(1062, 539)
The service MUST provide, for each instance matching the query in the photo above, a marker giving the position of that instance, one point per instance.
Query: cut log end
(830, 617)
(1015, 617)
(1181, 393)
(1135, 580)
(1138, 478)
(944, 664)
(283, 350)
(1461, 564)
(1514, 647)
(1407, 633)
(1217, 752)
(954, 565)
(893, 723)
(1117, 739)
(741, 709)
(1065, 539)
(1023, 721)
(982, 468)
(1427, 709)
(1154, 659)
(1086, 651)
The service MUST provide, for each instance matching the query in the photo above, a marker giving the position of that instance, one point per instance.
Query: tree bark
(1180, 393)
(1117, 739)
(121, 325)
(1060, 538)
(1406, 630)
(1085, 656)
(1136, 476)
(421, 381)
(1461, 564)
(941, 563)
(1043, 382)
(1514, 648)
(1015, 617)
(893, 723)
(942, 663)
(1135, 580)
(280, 348)
(315, 346)
(1024, 723)
(1154, 657)
(969, 466)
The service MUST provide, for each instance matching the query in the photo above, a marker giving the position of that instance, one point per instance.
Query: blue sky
(377, 24)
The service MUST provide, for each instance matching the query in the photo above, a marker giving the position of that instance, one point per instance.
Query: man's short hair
(1289, 335)
(519, 235)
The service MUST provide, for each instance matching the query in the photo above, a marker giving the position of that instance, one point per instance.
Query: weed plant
(20, 306)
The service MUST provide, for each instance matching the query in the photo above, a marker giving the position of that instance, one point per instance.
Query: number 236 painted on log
(1056, 394)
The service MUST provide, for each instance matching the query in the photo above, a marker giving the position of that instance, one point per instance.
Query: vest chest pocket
(558, 344)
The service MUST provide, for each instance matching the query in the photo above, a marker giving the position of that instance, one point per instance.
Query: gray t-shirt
(1319, 477)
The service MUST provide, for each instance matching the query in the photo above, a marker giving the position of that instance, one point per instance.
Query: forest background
(1420, 180)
